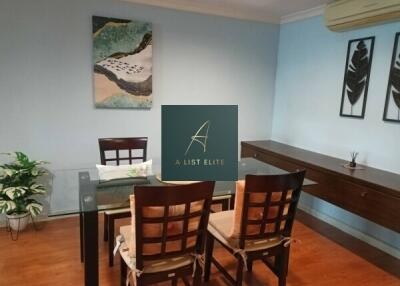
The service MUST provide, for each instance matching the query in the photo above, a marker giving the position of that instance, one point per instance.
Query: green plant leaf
(37, 189)
(35, 172)
(34, 208)
(15, 192)
(21, 157)
(18, 180)
(7, 206)
(9, 172)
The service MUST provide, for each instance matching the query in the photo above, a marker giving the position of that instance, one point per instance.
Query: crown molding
(217, 10)
(316, 11)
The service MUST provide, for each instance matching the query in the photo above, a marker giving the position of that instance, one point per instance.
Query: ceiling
(271, 11)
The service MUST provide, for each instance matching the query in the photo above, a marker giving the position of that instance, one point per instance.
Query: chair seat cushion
(117, 211)
(220, 226)
(153, 265)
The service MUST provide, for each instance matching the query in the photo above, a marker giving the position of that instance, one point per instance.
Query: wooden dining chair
(167, 236)
(260, 226)
(116, 146)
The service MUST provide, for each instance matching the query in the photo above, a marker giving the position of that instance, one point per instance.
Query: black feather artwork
(395, 82)
(392, 101)
(356, 73)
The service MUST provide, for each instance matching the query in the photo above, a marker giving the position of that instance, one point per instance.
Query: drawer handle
(364, 194)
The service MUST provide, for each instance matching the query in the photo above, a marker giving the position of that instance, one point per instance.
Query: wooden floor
(322, 256)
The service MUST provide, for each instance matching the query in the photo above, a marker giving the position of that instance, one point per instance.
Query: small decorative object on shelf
(17, 187)
(353, 163)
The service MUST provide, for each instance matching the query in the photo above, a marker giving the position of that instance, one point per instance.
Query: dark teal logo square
(199, 142)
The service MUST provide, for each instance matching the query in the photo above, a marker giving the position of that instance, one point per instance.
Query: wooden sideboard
(370, 193)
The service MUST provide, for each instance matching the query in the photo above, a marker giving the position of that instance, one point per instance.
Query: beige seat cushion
(153, 265)
(151, 230)
(254, 213)
(220, 226)
(117, 211)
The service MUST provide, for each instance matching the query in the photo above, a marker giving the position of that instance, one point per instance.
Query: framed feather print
(392, 103)
(356, 77)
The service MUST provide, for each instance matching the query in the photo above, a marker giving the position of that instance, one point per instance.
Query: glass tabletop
(84, 192)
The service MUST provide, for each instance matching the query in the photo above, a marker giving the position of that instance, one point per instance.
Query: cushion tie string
(200, 259)
(243, 254)
(287, 240)
(135, 272)
(120, 239)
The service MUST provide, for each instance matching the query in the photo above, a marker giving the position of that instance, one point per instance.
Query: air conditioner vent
(349, 14)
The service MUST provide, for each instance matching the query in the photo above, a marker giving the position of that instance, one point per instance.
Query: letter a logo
(202, 139)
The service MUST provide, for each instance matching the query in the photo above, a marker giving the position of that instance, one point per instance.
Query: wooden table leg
(91, 248)
(232, 202)
(81, 243)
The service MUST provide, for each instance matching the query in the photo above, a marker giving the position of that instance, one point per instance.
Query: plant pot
(18, 222)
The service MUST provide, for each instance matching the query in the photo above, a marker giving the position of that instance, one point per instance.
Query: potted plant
(18, 186)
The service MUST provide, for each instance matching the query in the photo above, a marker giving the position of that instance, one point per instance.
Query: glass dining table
(96, 196)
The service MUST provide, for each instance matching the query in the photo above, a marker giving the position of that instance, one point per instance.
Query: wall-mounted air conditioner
(349, 14)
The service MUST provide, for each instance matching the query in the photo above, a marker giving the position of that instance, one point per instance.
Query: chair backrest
(270, 203)
(179, 214)
(119, 144)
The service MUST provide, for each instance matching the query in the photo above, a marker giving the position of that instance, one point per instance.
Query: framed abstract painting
(122, 63)
(392, 103)
(356, 77)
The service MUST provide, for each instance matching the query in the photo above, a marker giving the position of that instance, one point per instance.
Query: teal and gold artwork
(122, 63)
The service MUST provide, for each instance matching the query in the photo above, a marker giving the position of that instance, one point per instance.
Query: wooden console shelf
(371, 193)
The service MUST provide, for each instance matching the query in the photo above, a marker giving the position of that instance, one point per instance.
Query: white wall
(46, 90)
(309, 83)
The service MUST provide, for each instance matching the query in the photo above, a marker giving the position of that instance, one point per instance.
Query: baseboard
(40, 219)
(352, 231)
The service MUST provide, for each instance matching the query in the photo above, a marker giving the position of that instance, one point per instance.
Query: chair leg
(239, 272)
(105, 227)
(287, 261)
(283, 263)
(185, 281)
(110, 241)
(123, 272)
(197, 275)
(249, 265)
(208, 256)
(225, 204)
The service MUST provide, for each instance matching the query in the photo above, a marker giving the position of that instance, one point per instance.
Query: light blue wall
(46, 98)
(46, 94)
(309, 81)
